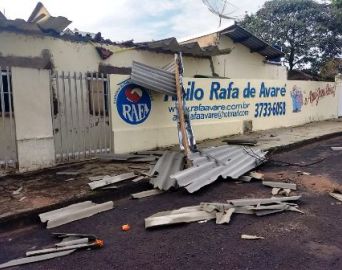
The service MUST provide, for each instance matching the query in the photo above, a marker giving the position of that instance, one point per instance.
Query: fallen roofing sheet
(146, 193)
(222, 212)
(337, 196)
(106, 181)
(39, 258)
(159, 80)
(73, 212)
(168, 164)
(212, 163)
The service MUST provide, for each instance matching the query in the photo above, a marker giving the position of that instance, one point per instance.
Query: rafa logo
(133, 103)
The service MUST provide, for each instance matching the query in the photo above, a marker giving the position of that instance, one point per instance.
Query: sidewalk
(45, 190)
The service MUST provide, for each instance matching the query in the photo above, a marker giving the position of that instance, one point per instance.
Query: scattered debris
(245, 178)
(21, 199)
(125, 227)
(275, 191)
(303, 173)
(170, 163)
(222, 212)
(139, 178)
(251, 237)
(110, 187)
(281, 185)
(40, 258)
(224, 217)
(69, 179)
(17, 192)
(256, 175)
(146, 193)
(241, 142)
(336, 148)
(69, 244)
(223, 161)
(97, 178)
(74, 173)
(73, 212)
(335, 195)
(285, 191)
(106, 181)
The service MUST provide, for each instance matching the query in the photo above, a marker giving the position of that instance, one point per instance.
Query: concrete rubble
(223, 212)
(73, 212)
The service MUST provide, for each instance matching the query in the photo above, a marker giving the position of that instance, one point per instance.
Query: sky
(141, 20)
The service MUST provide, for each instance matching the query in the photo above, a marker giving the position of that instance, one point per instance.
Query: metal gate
(8, 146)
(81, 116)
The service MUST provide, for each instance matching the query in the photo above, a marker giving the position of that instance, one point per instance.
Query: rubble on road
(251, 237)
(73, 212)
(256, 175)
(106, 181)
(17, 192)
(69, 244)
(223, 212)
(146, 193)
(335, 195)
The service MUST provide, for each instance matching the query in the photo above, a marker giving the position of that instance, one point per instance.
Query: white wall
(215, 117)
(31, 98)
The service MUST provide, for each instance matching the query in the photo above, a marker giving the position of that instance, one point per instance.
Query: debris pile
(223, 212)
(69, 244)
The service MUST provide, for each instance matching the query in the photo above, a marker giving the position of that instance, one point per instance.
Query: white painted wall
(31, 98)
(159, 129)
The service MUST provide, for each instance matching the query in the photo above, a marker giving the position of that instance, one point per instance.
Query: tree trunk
(291, 58)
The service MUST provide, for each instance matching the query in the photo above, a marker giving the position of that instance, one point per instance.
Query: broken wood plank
(251, 237)
(335, 195)
(146, 193)
(27, 260)
(111, 180)
(280, 185)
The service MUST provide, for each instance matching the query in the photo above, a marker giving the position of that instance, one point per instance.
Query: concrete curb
(124, 192)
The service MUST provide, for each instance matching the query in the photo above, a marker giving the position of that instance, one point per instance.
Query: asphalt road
(292, 240)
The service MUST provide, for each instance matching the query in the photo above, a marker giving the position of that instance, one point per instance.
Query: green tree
(305, 29)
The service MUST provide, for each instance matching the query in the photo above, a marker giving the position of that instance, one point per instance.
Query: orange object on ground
(99, 243)
(125, 227)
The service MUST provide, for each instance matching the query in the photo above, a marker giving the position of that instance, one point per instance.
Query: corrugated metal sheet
(159, 80)
(169, 163)
(241, 35)
(212, 163)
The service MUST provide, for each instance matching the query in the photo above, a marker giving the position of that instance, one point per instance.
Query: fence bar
(77, 115)
(71, 117)
(84, 130)
(10, 105)
(104, 113)
(67, 144)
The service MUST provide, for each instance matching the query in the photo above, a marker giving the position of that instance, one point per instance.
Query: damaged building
(85, 104)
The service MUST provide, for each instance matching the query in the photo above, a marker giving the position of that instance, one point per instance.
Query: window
(98, 95)
(6, 98)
